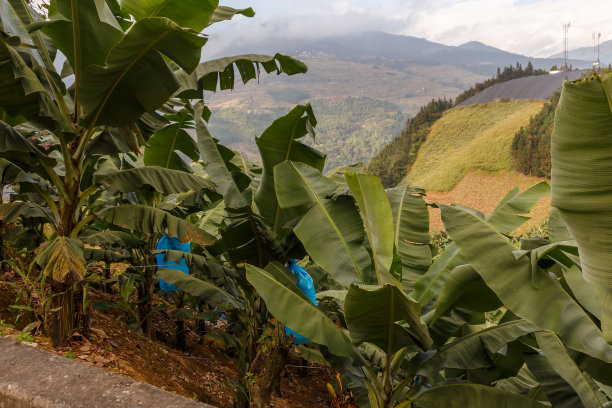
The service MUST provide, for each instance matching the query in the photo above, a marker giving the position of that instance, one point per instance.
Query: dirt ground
(203, 372)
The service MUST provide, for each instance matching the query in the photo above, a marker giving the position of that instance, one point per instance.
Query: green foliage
(393, 162)
(531, 145)
(581, 150)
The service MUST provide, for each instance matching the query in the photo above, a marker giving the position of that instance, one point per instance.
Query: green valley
(349, 130)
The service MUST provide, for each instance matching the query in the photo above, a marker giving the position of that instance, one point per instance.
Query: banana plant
(102, 103)
(355, 236)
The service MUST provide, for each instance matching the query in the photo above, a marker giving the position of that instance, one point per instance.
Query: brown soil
(483, 191)
(202, 372)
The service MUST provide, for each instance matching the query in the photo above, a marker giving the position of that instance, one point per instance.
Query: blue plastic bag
(306, 285)
(172, 243)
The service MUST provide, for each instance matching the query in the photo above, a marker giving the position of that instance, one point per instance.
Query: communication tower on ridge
(566, 27)
(596, 39)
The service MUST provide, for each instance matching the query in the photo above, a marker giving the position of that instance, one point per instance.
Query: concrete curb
(32, 378)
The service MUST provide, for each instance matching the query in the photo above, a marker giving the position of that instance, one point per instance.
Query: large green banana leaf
(473, 350)
(22, 95)
(197, 287)
(581, 152)
(212, 219)
(505, 218)
(547, 305)
(300, 185)
(583, 291)
(279, 143)
(163, 146)
(115, 239)
(299, 314)
(220, 73)
(472, 396)
(163, 180)
(332, 230)
(378, 315)
(121, 90)
(83, 30)
(216, 166)
(378, 220)
(149, 220)
(223, 13)
(558, 392)
(562, 363)
(429, 285)
(11, 173)
(411, 238)
(194, 14)
(465, 288)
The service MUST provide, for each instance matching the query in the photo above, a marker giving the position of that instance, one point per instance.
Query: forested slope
(531, 145)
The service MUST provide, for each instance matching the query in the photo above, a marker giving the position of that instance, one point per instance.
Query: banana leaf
(299, 314)
(411, 238)
(375, 314)
(581, 153)
(472, 396)
(149, 220)
(378, 221)
(161, 179)
(194, 14)
(512, 279)
(562, 363)
(279, 143)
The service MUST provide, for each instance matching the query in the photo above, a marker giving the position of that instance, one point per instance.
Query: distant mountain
(586, 53)
(473, 56)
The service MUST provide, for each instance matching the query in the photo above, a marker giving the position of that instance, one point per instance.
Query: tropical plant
(372, 237)
(61, 132)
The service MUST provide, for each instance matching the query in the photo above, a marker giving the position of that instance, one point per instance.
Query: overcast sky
(529, 27)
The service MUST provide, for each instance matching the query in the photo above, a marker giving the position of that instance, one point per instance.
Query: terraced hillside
(475, 137)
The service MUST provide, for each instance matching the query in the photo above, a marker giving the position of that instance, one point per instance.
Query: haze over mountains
(391, 76)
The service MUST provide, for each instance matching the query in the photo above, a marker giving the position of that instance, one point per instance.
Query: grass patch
(475, 137)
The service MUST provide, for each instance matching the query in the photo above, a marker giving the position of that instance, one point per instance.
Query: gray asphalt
(532, 87)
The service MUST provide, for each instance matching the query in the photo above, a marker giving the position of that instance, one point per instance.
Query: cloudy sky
(529, 27)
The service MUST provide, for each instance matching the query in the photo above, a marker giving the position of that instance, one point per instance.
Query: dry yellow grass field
(475, 137)
(483, 190)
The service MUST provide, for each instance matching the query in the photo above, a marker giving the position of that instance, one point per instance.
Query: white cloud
(530, 27)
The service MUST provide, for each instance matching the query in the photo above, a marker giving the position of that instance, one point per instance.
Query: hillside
(483, 190)
(531, 87)
(470, 138)
(349, 130)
